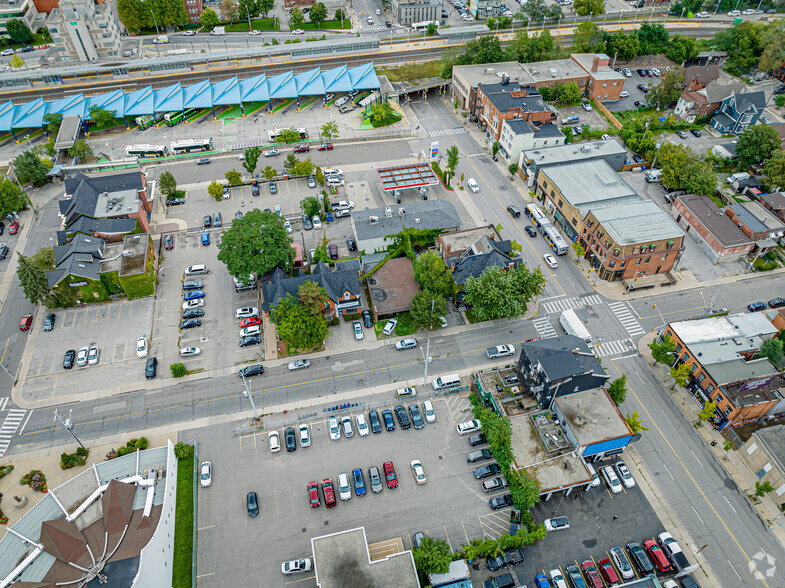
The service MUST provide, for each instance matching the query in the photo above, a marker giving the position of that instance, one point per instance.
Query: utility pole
(247, 394)
(157, 32)
(428, 345)
(68, 425)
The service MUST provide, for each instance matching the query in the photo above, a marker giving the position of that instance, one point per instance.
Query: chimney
(595, 64)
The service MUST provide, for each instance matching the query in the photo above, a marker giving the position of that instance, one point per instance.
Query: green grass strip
(184, 524)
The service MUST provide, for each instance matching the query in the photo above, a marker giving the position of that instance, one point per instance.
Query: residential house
(391, 288)
(533, 160)
(605, 83)
(467, 242)
(483, 9)
(758, 224)
(720, 352)
(764, 453)
(625, 241)
(342, 287)
(520, 135)
(739, 111)
(506, 100)
(697, 77)
(695, 104)
(774, 203)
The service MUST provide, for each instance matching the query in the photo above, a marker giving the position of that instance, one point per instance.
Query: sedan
(550, 260)
(376, 424)
(414, 412)
(192, 313)
(592, 575)
(81, 357)
(773, 303)
(358, 330)
(26, 322)
(13, 228)
(252, 504)
(193, 295)
(498, 502)
(299, 364)
(574, 574)
(389, 423)
(191, 304)
(558, 579)
(275, 441)
(479, 455)
(375, 478)
(206, 474)
(175, 201)
(362, 425)
(359, 482)
(557, 523)
(622, 563)
(335, 430)
(624, 474)
(190, 352)
(639, 558)
(271, 152)
(168, 242)
(367, 322)
(344, 490)
(305, 435)
(254, 32)
(246, 312)
(487, 471)
(289, 439)
(273, 188)
(389, 474)
(541, 581)
(410, 343)
(419, 472)
(189, 33)
(93, 356)
(307, 224)
(4, 251)
(313, 494)
(403, 417)
(348, 429)
(251, 321)
(250, 340)
(207, 221)
(756, 307)
(608, 571)
(531, 231)
(296, 566)
(190, 323)
(68, 359)
(681, 134)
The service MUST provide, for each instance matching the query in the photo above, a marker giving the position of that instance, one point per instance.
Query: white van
(448, 381)
(196, 270)
(737, 177)
(334, 181)
(595, 477)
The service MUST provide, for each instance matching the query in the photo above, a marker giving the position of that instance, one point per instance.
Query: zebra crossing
(544, 327)
(443, 132)
(615, 348)
(621, 311)
(9, 427)
(563, 304)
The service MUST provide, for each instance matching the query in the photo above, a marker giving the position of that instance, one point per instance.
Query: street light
(155, 22)
(427, 358)
(68, 425)
(247, 393)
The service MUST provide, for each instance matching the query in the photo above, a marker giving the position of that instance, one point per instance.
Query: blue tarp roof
(200, 95)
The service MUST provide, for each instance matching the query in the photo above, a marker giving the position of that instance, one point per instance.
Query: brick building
(774, 203)
(695, 104)
(757, 223)
(605, 84)
(505, 100)
(697, 77)
(194, 9)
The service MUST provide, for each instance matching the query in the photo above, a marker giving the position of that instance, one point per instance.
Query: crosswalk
(443, 132)
(9, 427)
(621, 311)
(544, 328)
(615, 348)
(563, 304)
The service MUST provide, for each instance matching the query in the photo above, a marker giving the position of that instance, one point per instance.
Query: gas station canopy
(402, 177)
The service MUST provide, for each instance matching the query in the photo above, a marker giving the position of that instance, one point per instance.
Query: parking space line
(291, 497)
(205, 528)
(465, 534)
(447, 536)
(275, 498)
(205, 575)
(40, 365)
(54, 385)
(300, 580)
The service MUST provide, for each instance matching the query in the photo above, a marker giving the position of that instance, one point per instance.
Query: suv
(505, 581)
(389, 474)
(506, 559)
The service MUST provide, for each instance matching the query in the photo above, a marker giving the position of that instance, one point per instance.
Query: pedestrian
(614, 517)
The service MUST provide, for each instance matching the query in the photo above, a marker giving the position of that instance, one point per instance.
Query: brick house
(695, 104)
(758, 224)
(774, 203)
(605, 84)
(629, 240)
(506, 100)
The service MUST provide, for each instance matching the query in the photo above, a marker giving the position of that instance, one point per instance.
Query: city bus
(146, 151)
(173, 118)
(191, 145)
(555, 240)
(422, 26)
(274, 134)
(145, 122)
(536, 216)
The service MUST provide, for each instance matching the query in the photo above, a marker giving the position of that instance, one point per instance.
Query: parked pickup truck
(505, 581)
(506, 559)
(673, 550)
(499, 351)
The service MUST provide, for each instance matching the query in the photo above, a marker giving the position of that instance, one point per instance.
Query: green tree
(588, 37)
(32, 278)
(230, 12)
(763, 489)
(31, 169)
(290, 135)
(681, 374)
(662, 352)
(624, 46)
(569, 94)
(208, 18)
(296, 18)
(12, 198)
(432, 28)
(674, 158)
(297, 325)
(775, 171)
(256, 243)
(618, 389)
(774, 46)
(772, 349)
(499, 293)
(329, 131)
(81, 150)
(432, 274)
(310, 206)
(319, 176)
(290, 163)
(215, 190)
(269, 172)
(132, 14)
(512, 168)
(524, 490)
(668, 91)
(312, 296)
(304, 168)
(317, 14)
(453, 156)
(420, 312)
(679, 49)
(174, 14)
(635, 422)
(16, 62)
(653, 38)
(756, 144)
(178, 369)
(102, 117)
(707, 411)
(339, 15)
(252, 155)
(265, 6)
(495, 148)
(519, 48)
(18, 31)
(433, 556)
(233, 178)
(700, 178)
(167, 184)
(584, 7)
(779, 100)
(52, 122)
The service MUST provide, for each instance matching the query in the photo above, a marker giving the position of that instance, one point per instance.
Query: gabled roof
(226, 92)
(111, 101)
(776, 200)
(363, 77)
(277, 284)
(254, 89)
(7, 114)
(337, 80)
(474, 265)
(70, 106)
(751, 100)
(701, 73)
(558, 360)
(310, 82)
(30, 115)
(140, 102)
(169, 99)
(283, 86)
(85, 191)
(81, 257)
(104, 226)
(716, 92)
(198, 96)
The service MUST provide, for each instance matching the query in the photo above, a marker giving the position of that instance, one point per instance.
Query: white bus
(275, 133)
(421, 26)
(574, 326)
(536, 216)
(555, 240)
(146, 151)
(191, 145)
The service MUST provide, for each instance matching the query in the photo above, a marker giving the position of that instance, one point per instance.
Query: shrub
(5, 470)
(352, 317)
(132, 446)
(178, 370)
(35, 479)
(183, 450)
(71, 460)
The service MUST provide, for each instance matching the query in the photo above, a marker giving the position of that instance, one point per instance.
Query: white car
(254, 33)
(419, 472)
(348, 430)
(358, 331)
(142, 348)
(275, 441)
(622, 563)
(81, 357)
(389, 327)
(190, 351)
(342, 100)
(246, 312)
(189, 33)
(611, 479)
(557, 524)
(252, 330)
(344, 489)
(550, 260)
(362, 425)
(704, 15)
(473, 185)
(298, 31)
(594, 475)
(93, 355)
(586, 106)
(296, 566)
(409, 343)
(378, 11)
(317, 222)
(624, 94)
(430, 414)
(624, 474)
(335, 430)
(288, 226)
(746, 12)
(206, 474)
(734, 13)
(299, 364)
(558, 579)
(333, 171)
(189, 304)
(656, 71)
(6, 52)
(471, 426)
(271, 152)
(305, 435)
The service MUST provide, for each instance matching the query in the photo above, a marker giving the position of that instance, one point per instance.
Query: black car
(252, 370)
(403, 418)
(49, 321)
(506, 559)
(367, 323)
(638, 159)
(641, 72)
(696, 132)
(168, 242)
(3, 251)
(479, 455)
(487, 470)
(68, 359)
(639, 558)
(175, 201)
(389, 423)
(252, 504)
(192, 285)
(513, 210)
(643, 88)
(414, 412)
(208, 221)
(28, 49)
(249, 340)
(192, 313)
(376, 424)
(351, 244)
(289, 439)
(477, 440)
(498, 502)
(190, 323)
(773, 303)
(307, 224)
(150, 368)
(531, 230)
(638, 104)
(2, 227)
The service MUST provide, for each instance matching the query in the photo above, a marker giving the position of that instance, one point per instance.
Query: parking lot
(10, 241)
(636, 94)
(450, 506)
(112, 327)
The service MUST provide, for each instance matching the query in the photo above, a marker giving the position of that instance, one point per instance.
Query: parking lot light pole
(247, 393)
(69, 426)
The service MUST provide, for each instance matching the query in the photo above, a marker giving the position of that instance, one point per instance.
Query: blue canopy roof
(69, 106)
(169, 99)
(198, 96)
(226, 92)
(30, 115)
(140, 102)
(337, 80)
(364, 77)
(7, 114)
(112, 101)
(283, 86)
(310, 82)
(255, 89)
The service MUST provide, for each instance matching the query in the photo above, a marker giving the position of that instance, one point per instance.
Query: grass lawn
(328, 24)
(116, 122)
(259, 24)
(412, 72)
(184, 524)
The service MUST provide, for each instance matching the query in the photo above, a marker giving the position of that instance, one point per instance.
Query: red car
(389, 474)
(326, 147)
(24, 324)
(592, 575)
(250, 321)
(302, 149)
(13, 228)
(657, 555)
(313, 494)
(329, 493)
(608, 571)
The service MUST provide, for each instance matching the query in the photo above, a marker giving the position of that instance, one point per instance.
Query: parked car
(302, 149)
(271, 152)
(478, 455)
(608, 572)
(362, 425)
(190, 352)
(624, 474)
(696, 132)
(639, 558)
(68, 359)
(252, 504)
(430, 413)
(389, 327)
(151, 368)
(477, 440)
(557, 523)
(192, 285)
(313, 494)
(13, 228)
(190, 323)
(49, 322)
(305, 435)
(487, 471)
(334, 428)
(592, 575)
(403, 417)
(376, 424)
(389, 474)
(499, 502)
(367, 322)
(250, 340)
(206, 474)
(290, 440)
(574, 574)
(467, 427)
(773, 303)
(505, 559)
(419, 471)
(351, 244)
(329, 493)
(681, 134)
(326, 147)
(358, 330)
(81, 357)
(657, 556)
(556, 575)
(359, 482)
(346, 423)
(611, 479)
(299, 364)
(622, 563)
(274, 440)
(375, 479)
(494, 484)
(389, 423)
(756, 307)
(205, 238)
(168, 242)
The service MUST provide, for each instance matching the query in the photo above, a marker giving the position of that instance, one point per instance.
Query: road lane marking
(729, 504)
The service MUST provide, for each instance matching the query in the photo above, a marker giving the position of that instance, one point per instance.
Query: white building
(84, 31)
(23, 10)
(518, 135)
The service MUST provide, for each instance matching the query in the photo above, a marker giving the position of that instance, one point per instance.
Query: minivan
(448, 381)
(737, 177)
(196, 270)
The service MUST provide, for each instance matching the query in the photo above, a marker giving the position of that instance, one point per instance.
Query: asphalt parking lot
(113, 327)
(9, 240)
(451, 505)
(631, 85)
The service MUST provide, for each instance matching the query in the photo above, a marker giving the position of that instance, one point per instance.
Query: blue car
(359, 482)
(205, 238)
(193, 295)
(389, 423)
(542, 581)
(756, 307)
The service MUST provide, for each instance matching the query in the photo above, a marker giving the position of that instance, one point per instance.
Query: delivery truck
(574, 326)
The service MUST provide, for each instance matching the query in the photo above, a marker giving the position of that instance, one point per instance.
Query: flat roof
(739, 370)
(773, 438)
(604, 72)
(573, 152)
(486, 73)
(720, 328)
(589, 185)
(554, 71)
(409, 175)
(392, 287)
(592, 416)
(463, 240)
(713, 219)
(636, 222)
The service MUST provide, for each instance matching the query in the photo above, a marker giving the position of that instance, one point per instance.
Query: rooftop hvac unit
(401, 211)
(552, 72)
(535, 72)
(585, 149)
(128, 252)
(373, 219)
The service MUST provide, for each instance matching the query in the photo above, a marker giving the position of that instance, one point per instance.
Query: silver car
(375, 479)
(299, 364)
(206, 474)
(93, 356)
(348, 430)
(358, 331)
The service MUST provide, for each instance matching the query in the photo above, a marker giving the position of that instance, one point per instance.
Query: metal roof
(401, 177)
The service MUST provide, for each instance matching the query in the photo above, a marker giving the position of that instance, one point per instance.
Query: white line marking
(669, 472)
(697, 515)
(627, 356)
(734, 569)
(729, 504)
(696, 457)
(29, 414)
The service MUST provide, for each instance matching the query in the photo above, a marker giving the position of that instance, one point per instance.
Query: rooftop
(555, 70)
(573, 152)
(101, 196)
(713, 219)
(376, 223)
(475, 239)
(757, 218)
(519, 126)
(392, 287)
(134, 253)
(637, 222)
(502, 98)
(489, 73)
(775, 200)
(773, 439)
(410, 175)
(721, 328)
(604, 72)
(738, 370)
(590, 185)
(562, 357)
(592, 416)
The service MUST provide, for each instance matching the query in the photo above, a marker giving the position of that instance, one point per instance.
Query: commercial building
(532, 161)
(542, 74)
(408, 11)
(520, 135)
(757, 223)
(194, 9)
(84, 31)
(24, 10)
(625, 241)
(467, 78)
(605, 83)
(764, 453)
(506, 100)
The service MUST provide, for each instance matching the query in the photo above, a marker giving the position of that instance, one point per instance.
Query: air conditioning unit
(373, 219)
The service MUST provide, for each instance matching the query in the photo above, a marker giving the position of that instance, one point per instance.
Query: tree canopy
(252, 155)
(12, 199)
(18, 31)
(256, 243)
(668, 91)
(432, 274)
(208, 18)
(298, 325)
(502, 293)
(757, 143)
(32, 275)
(317, 14)
(30, 168)
(433, 556)
(167, 184)
(584, 7)
(662, 352)
(420, 312)
(775, 171)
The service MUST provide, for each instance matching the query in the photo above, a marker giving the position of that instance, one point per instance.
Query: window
(614, 84)
(612, 263)
(648, 259)
(728, 410)
(760, 473)
(693, 368)
(701, 378)
(719, 398)
(678, 347)
(664, 256)
(346, 296)
(752, 448)
(638, 261)
(710, 388)
(603, 86)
